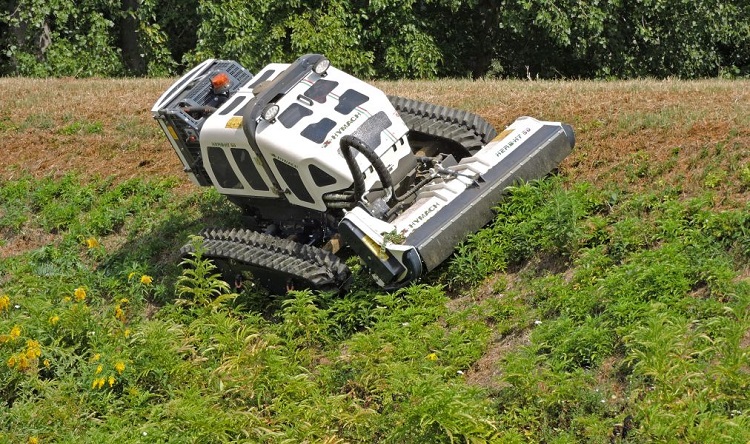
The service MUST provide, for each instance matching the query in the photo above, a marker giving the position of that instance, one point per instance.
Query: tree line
(381, 38)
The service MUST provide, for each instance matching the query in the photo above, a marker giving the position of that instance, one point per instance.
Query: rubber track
(319, 268)
(468, 129)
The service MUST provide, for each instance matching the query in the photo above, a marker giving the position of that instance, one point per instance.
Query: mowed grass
(606, 303)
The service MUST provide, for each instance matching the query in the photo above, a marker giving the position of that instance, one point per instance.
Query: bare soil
(486, 371)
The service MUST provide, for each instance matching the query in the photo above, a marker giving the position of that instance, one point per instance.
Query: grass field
(607, 303)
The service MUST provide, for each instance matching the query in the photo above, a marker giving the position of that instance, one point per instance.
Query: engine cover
(296, 154)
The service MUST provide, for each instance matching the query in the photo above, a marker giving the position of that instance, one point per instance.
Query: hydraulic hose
(349, 200)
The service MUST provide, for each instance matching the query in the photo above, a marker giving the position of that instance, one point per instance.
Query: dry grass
(691, 135)
(98, 126)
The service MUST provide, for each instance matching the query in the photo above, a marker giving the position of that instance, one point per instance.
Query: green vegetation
(379, 38)
(611, 317)
(609, 304)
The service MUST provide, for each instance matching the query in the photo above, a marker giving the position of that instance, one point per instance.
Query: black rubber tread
(254, 238)
(313, 275)
(316, 268)
(468, 139)
(454, 118)
(446, 114)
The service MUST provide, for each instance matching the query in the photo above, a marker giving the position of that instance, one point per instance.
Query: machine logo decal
(419, 220)
(342, 128)
(282, 160)
(224, 144)
(513, 142)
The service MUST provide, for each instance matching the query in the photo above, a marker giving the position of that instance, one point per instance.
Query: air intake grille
(199, 93)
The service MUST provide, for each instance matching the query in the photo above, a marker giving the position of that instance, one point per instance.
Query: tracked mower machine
(325, 165)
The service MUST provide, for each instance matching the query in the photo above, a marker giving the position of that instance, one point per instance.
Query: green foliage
(52, 38)
(77, 127)
(64, 205)
(745, 177)
(350, 313)
(651, 306)
(55, 36)
(622, 39)
(14, 206)
(407, 39)
(302, 322)
(535, 218)
(352, 34)
(200, 282)
(437, 410)
(608, 312)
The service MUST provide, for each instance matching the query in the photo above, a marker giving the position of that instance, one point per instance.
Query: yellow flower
(146, 279)
(54, 319)
(432, 357)
(80, 294)
(14, 333)
(66, 299)
(111, 380)
(120, 367)
(19, 362)
(98, 383)
(4, 302)
(130, 276)
(119, 314)
(33, 440)
(92, 242)
(46, 363)
(96, 357)
(124, 301)
(127, 332)
(33, 349)
(99, 369)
